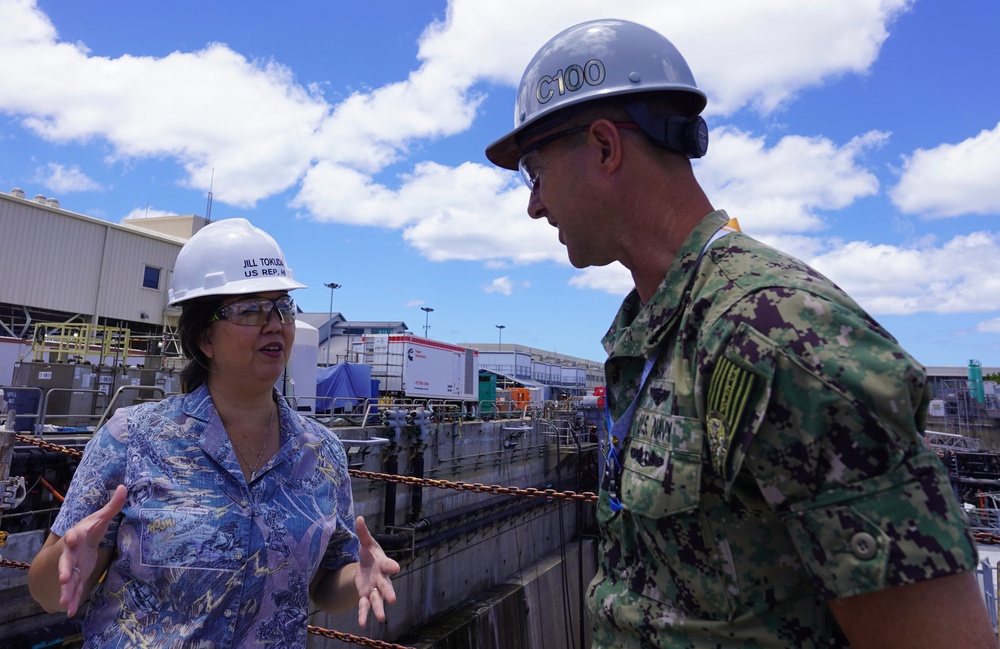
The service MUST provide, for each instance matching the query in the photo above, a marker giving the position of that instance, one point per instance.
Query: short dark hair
(195, 318)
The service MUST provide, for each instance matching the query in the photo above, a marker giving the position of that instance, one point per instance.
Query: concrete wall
(495, 561)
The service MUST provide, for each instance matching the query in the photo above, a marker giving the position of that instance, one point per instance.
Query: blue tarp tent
(347, 385)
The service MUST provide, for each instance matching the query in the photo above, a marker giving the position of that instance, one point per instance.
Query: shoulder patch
(729, 393)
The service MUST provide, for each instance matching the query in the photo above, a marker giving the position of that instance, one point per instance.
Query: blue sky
(860, 135)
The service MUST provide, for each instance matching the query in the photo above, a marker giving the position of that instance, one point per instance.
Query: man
(766, 483)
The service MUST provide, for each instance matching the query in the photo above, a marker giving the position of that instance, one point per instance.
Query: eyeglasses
(254, 312)
(530, 177)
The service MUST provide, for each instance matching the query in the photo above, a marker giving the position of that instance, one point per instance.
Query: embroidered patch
(729, 392)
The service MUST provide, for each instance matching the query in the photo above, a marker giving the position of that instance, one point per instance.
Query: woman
(228, 511)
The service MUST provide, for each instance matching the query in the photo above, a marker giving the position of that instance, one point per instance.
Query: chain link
(987, 538)
(20, 565)
(353, 639)
(496, 490)
(72, 452)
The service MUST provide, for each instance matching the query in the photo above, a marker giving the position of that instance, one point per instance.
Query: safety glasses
(530, 177)
(254, 312)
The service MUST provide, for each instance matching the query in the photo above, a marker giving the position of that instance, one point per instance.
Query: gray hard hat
(595, 60)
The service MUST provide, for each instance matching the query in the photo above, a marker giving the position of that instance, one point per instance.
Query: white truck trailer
(420, 368)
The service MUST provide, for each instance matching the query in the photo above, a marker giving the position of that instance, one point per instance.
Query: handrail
(44, 412)
(118, 392)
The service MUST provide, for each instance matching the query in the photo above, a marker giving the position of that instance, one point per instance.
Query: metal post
(427, 315)
(329, 325)
(12, 490)
(500, 336)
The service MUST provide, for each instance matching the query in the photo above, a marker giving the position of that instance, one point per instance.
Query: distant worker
(215, 516)
(766, 483)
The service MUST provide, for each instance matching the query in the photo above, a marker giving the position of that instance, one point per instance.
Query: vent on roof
(39, 198)
(52, 202)
(17, 192)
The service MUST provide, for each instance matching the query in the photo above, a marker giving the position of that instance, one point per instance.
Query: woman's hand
(79, 556)
(372, 576)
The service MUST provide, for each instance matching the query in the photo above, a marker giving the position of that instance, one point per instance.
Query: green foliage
(992, 377)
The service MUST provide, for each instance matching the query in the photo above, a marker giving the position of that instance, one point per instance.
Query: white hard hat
(229, 257)
(596, 60)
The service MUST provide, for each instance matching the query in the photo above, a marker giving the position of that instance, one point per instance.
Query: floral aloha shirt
(203, 558)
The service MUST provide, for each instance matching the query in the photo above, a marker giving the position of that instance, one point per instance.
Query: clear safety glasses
(254, 312)
(529, 176)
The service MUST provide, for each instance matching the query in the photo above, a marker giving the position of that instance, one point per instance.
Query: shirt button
(239, 555)
(244, 502)
(228, 613)
(863, 545)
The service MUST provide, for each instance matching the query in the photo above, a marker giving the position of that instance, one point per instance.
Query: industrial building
(101, 287)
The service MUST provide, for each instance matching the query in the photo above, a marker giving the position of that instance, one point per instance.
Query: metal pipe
(373, 441)
(389, 507)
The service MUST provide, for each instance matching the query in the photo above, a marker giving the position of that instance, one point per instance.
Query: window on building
(151, 278)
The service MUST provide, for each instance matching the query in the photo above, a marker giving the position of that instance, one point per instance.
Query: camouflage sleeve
(832, 436)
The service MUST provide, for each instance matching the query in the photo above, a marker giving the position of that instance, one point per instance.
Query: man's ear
(609, 139)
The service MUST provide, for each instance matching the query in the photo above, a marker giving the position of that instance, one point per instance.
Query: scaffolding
(963, 414)
(65, 342)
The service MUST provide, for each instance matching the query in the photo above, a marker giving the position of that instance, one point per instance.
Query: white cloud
(471, 212)
(775, 48)
(613, 278)
(261, 132)
(954, 277)
(781, 189)
(210, 109)
(771, 50)
(952, 179)
(147, 212)
(501, 285)
(63, 179)
(208, 101)
(989, 326)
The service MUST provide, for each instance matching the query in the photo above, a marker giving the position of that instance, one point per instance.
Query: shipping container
(416, 367)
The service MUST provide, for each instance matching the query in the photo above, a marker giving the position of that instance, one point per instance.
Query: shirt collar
(638, 329)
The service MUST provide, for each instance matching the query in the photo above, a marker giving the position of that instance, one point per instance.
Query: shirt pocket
(190, 537)
(661, 472)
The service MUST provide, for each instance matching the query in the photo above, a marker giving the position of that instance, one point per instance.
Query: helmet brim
(506, 151)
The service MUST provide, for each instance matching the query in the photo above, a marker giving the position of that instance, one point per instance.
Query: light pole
(500, 335)
(329, 325)
(427, 316)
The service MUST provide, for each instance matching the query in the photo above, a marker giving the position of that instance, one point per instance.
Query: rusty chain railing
(495, 490)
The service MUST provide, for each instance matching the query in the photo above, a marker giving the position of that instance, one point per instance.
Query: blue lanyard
(617, 430)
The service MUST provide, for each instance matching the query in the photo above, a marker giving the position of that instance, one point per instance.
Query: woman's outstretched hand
(78, 559)
(372, 577)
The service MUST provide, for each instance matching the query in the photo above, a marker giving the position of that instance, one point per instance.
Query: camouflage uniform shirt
(775, 459)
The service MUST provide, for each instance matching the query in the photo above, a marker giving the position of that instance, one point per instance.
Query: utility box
(487, 394)
(69, 391)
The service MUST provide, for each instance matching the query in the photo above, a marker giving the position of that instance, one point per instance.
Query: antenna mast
(208, 207)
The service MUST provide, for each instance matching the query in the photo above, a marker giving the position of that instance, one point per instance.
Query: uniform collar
(638, 329)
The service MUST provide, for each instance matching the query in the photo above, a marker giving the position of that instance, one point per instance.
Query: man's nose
(536, 208)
